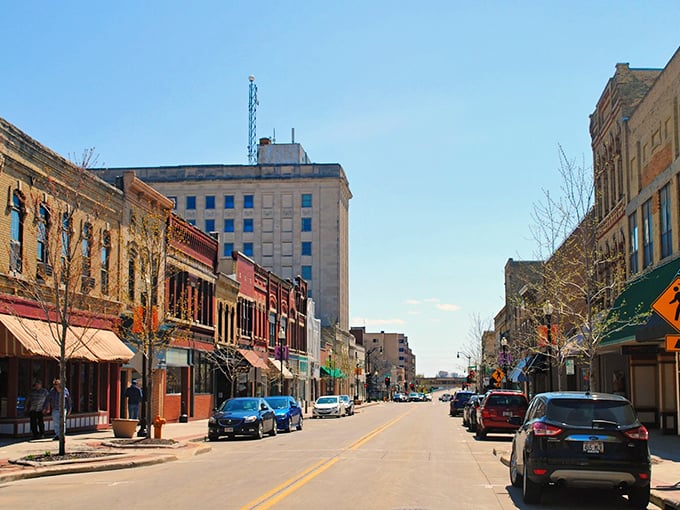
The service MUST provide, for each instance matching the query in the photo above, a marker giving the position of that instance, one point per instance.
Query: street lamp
(547, 311)
(356, 376)
(282, 343)
(468, 365)
(505, 360)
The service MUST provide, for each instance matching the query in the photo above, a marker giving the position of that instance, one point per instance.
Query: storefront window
(202, 374)
(174, 380)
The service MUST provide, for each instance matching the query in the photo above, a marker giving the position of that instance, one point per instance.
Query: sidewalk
(665, 451)
(191, 440)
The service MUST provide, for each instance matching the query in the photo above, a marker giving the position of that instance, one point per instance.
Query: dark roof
(580, 395)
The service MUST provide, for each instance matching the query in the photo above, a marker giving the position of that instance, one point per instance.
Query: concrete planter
(123, 427)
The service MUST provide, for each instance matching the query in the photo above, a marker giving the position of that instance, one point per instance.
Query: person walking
(34, 405)
(133, 393)
(53, 406)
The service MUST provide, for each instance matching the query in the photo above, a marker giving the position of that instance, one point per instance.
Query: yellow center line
(273, 496)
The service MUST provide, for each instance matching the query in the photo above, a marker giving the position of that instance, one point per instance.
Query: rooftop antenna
(252, 111)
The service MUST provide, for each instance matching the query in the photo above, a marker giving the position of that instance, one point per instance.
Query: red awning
(253, 358)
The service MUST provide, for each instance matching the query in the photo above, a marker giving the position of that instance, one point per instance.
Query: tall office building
(289, 215)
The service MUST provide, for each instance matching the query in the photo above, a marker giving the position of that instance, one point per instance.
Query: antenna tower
(252, 111)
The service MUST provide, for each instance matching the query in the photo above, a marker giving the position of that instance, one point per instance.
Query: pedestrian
(53, 406)
(34, 405)
(133, 393)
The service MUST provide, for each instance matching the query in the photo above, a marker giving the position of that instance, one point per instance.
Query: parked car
(288, 412)
(470, 412)
(445, 397)
(427, 397)
(400, 397)
(242, 416)
(496, 410)
(349, 405)
(458, 401)
(581, 439)
(328, 405)
(414, 396)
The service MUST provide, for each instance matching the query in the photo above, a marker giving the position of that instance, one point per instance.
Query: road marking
(273, 496)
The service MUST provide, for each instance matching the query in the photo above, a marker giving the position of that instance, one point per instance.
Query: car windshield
(277, 403)
(583, 412)
(327, 400)
(463, 396)
(345, 398)
(240, 405)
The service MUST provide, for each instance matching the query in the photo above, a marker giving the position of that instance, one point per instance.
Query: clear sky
(445, 115)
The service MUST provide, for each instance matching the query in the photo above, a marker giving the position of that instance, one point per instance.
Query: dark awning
(336, 373)
(637, 298)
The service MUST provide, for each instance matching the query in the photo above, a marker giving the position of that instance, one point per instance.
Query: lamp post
(469, 358)
(282, 343)
(356, 376)
(547, 311)
(505, 360)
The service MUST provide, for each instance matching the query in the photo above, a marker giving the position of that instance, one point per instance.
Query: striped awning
(23, 337)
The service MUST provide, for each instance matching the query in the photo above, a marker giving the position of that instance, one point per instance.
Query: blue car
(243, 416)
(288, 412)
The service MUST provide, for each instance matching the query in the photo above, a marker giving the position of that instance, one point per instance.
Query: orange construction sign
(667, 305)
(672, 343)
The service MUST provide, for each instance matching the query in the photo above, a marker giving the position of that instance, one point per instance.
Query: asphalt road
(389, 456)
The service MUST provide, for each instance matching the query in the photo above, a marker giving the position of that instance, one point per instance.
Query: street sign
(667, 305)
(673, 343)
(498, 375)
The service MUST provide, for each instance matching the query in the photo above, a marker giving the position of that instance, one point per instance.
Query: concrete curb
(131, 460)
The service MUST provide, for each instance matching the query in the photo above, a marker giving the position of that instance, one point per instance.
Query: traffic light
(387, 381)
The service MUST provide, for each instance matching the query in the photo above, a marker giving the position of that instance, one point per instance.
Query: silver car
(349, 404)
(328, 405)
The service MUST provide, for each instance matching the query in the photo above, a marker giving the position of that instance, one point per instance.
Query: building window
(227, 248)
(210, 202)
(248, 201)
(43, 229)
(65, 240)
(306, 272)
(665, 221)
(192, 222)
(228, 201)
(306, 200)
(191, 203)
(86, 254)
(131, 275)
(306, 224)
(307, 248)
(647, 235)
(16, 234)
(248, 249)
(633, 242)
(248, 225)
(229, 225)
(202, 373)
(105, 261)
(210, 226)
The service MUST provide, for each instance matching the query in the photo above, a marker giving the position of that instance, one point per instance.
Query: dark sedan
(243, 416)
(288, 412)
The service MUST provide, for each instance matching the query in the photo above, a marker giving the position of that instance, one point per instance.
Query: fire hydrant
(158, 423)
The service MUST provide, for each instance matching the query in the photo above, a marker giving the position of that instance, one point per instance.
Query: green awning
(637, 298)
(335, 373)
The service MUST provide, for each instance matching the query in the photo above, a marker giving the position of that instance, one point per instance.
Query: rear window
(583, 412)
(463, 396)
(506, 400)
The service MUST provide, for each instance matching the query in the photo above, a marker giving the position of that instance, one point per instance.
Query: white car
(328, 405)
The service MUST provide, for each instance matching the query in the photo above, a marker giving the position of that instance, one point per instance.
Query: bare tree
(580, 280)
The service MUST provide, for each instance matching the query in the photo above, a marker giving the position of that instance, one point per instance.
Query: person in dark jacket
(133, 394)
(34, 406)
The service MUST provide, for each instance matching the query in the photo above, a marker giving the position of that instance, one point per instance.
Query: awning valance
(336, 373)
(31, 337)
(287, 374)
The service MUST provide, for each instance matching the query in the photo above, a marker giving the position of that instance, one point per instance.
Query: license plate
(507, 413)
(229, 429)
(593, 447)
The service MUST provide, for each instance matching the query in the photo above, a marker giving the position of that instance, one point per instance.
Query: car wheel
(273, 431)
(531, 491)
(288, 427)
(465, 422)
(213, 437)
(480, 433)
(299, 425)
(515, 477)
(260, 431)
(638, 497)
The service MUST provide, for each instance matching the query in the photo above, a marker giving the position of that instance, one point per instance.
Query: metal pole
(549, 350)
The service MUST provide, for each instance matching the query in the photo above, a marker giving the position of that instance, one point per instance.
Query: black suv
(581, 440)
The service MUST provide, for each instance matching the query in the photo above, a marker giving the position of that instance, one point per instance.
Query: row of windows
(248, 225)
(665, 231)
(228, 248)
(229, 201)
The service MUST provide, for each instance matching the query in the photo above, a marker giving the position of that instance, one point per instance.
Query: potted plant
(123, 427)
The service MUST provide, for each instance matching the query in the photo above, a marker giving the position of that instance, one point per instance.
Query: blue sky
(445, 115)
